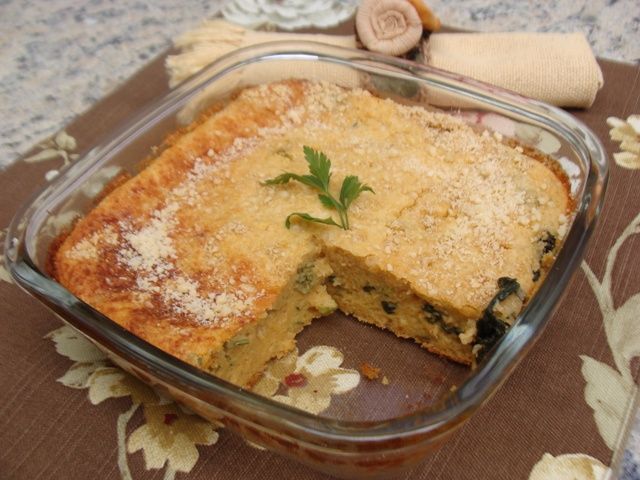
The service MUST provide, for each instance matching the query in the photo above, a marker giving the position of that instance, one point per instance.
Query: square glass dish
(375, 430)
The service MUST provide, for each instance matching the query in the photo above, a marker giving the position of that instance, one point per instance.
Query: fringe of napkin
(559, 69)
(216, 38)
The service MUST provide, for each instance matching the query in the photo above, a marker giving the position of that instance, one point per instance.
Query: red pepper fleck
(295, 380)
(169, 418)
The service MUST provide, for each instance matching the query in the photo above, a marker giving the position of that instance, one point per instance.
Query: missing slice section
(243, 357)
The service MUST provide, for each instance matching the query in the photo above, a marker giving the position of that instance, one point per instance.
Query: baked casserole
(192, 254)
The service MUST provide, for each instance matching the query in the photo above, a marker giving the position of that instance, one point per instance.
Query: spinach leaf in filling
(434, 316)
(548, 244)
(490, 328)
(389, 307)
(305, 278)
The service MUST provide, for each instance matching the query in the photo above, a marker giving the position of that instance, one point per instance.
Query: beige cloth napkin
(556, 68)
(553, 67)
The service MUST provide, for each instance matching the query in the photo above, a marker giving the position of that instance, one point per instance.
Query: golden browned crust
(106, 281)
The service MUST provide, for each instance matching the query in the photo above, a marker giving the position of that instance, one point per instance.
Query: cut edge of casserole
(192, 254)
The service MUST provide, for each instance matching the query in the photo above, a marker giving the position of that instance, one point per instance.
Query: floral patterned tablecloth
(68, 413)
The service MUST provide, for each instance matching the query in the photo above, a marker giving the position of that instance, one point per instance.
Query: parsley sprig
(319, 178)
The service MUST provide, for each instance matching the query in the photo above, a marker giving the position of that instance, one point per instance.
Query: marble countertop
(57, 58)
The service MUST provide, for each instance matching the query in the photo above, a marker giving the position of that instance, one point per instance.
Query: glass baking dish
(381, 430)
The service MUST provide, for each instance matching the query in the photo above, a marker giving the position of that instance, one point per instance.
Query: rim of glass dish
(474, 391)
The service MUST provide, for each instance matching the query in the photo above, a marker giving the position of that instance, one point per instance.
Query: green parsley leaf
(235, 342)
(309, 218)
(351, 189)
(319, 178)
(328, 201)
(319, 166)
(308, 180)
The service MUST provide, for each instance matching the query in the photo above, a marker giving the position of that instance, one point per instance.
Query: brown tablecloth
(65, 413)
